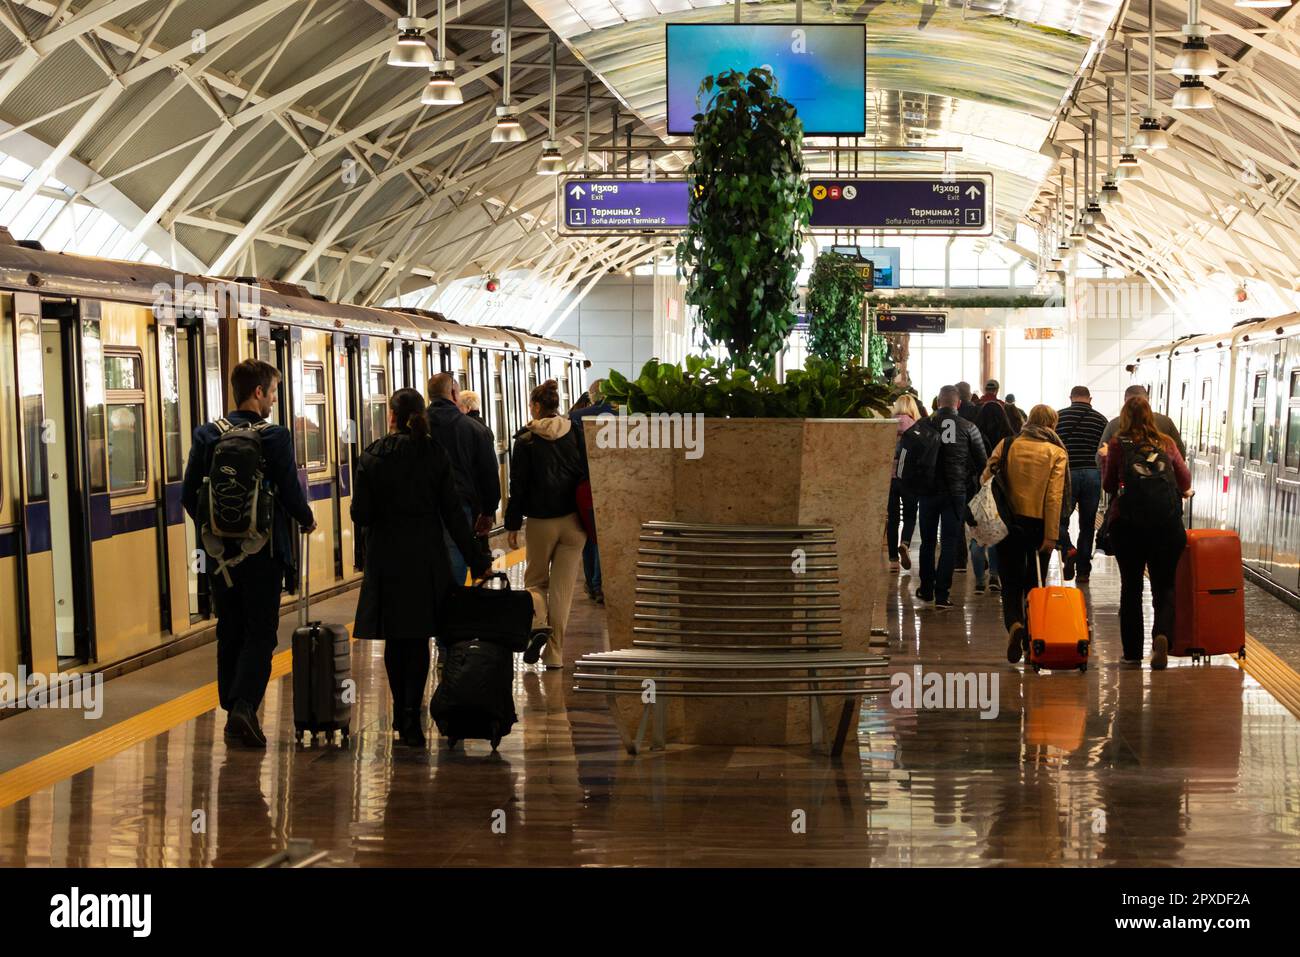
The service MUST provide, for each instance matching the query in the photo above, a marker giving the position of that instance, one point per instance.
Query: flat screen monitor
(886, 260)
(819, 67)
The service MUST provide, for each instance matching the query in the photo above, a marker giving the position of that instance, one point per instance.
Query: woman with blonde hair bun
(903, 503)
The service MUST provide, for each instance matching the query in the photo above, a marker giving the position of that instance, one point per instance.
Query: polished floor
(1191, 766)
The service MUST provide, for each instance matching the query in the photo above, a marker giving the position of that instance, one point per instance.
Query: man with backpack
(938, 459)
(241, 489)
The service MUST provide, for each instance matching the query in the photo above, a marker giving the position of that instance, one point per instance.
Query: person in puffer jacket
(546, 465)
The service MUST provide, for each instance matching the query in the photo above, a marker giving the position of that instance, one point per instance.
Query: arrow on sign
(577, 192)
(972, 191)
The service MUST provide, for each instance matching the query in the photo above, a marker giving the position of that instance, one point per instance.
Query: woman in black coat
(403, 495)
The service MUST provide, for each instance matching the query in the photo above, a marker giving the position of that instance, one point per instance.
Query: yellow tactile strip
(49, 769)
(1278, 678)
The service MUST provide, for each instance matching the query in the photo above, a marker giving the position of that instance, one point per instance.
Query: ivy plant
(835, 301)
(749, 206)
(821, 390)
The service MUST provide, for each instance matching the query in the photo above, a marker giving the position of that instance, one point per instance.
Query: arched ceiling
(271, 137)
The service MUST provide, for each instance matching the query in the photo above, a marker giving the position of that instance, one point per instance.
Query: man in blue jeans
(942, 507)
(1080, 427)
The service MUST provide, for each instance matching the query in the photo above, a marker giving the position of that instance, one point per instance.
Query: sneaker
(1015, 642)
(979, 586)
(893, 566)
(243, 725)
(904, 558)
(995, 583)
(1159, 653)
(599, 598)
(1068, 558)
(924, 595)
(943, 603)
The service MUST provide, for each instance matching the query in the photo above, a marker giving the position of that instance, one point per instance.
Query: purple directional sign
(595, 205)
(905, 204)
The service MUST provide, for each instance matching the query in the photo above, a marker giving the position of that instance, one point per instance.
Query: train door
(309, 358)
(170, 455)
(1288, 481)
(495, 409)
(1254, 481)
(193, 342)
(12, 591)
(350, 383)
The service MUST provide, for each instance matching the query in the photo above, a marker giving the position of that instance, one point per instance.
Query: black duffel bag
(500, 616)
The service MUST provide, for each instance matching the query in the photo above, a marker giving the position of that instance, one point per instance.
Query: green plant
(821, 390)
(835, 299)
(749, 204)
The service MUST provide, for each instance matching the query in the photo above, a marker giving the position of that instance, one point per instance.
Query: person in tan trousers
(546, 464)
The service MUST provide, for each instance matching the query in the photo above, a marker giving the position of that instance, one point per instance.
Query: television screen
(884, 258)
(819, 67)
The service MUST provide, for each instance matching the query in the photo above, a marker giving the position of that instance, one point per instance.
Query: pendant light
(551, 163)
(508, 128)
(1078, 237)
(1195, 58)
(411, 49)
(1150, 136)
(1096, 217)
(1062, 240)
(441, 90)
(1193, 94)
(1128, 168)
(1110, 194)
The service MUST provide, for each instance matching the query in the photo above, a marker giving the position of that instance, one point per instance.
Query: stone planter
(752, 472)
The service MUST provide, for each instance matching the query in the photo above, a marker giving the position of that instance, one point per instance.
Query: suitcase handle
(505, 580)
(304, 580)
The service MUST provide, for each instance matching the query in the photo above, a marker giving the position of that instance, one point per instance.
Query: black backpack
(917, 457)
(236, 506)
(1149, 497)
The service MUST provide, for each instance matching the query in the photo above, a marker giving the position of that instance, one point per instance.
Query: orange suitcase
(1210, 602)
(1058, 627)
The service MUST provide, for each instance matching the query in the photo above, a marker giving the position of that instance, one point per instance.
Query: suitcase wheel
(1241, 652)
(1037, 668)
(1083, 667)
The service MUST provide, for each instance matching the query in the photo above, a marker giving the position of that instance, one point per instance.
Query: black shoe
(924, 595)
(979, 586)
(1068, 558)
(536, 643)
(409, 730)
(943, 603)
(995, 583)
(1016, 642)
(242, 725)
(599, 598)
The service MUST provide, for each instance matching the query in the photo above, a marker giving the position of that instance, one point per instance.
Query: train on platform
(107, 367)
(1235, 397)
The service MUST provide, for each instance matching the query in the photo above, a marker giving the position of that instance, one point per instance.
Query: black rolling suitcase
(474, 698)
(322, 671)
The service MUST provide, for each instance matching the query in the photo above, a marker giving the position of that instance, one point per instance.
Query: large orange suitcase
(1058, 627)
(1210, 603)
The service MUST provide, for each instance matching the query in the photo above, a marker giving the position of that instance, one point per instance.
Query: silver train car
(107, 367)
(1235, 397)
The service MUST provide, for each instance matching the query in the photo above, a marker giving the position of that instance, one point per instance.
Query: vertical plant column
(749, 206)
(835, 303)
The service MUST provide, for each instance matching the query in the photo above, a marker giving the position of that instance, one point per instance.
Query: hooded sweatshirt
(546, 464)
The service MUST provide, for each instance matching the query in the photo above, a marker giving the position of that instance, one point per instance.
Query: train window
(1293, 438)
(533, 370)
(499, 404)
(377, 404)
(313, 415)
(92, 348)
(33, 406)
(1295, 383)
(1260, 386)
(1206, 421)
(124, 397)
(171, 409)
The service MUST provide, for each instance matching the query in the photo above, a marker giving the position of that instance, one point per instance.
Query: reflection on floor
(1195, 765)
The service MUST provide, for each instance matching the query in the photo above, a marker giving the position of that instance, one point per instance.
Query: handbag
(989, 527)
(1104, 542)
(501, 616)
(586, 508)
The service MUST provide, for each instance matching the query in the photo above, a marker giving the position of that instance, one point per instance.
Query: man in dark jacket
(473, 463)
(596, 404)
(942, 508)
(965, 407)
(246, 596)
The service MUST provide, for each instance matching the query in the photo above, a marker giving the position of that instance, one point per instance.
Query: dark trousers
(1085, 495)
(407, 664)
(248, 622)
(1016, 556)
(1158, 556)
(591, 565)
(459, 562)
(902, 512)
(941, 521)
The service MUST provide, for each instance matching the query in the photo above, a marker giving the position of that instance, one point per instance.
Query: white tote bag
(989, 528)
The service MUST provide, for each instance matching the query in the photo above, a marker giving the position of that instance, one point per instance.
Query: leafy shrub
(835, 301)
